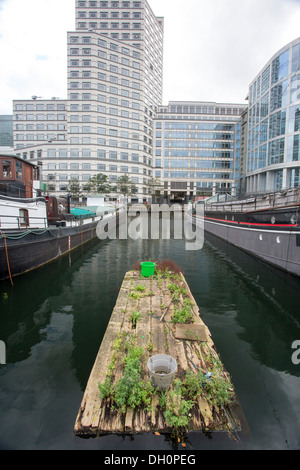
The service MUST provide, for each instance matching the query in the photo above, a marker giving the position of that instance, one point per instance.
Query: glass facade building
(273, 159)
(195, 145)
(6, 131)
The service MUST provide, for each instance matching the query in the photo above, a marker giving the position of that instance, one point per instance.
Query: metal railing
(21, 222)
(278, 199)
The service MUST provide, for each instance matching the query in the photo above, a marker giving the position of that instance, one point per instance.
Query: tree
(74, 188)
(99, 184)
(125, 186)
(155, 186)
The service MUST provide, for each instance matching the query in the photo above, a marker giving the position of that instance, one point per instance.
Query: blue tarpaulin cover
(82, 213)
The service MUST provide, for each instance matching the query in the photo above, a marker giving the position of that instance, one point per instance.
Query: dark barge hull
(40, 247)
(275, 244)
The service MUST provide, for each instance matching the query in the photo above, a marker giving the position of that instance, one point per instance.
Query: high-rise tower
(115, 69)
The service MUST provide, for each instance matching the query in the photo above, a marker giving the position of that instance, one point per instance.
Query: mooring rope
(7, 260)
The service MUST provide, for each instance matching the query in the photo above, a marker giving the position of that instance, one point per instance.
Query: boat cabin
(17, 176)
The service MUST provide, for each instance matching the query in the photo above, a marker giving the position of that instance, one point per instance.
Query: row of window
(198, 175)
(192, 135)
(196, 153)
(277, 98)
(88, 166)
(113, 90)
(86, 177)
(179, 163)
(203, 126)
(185, 144)
(123, 60)
(105, 131)
(104, 44)
(123, 36)
(40, 117)
(274, 127)
(108, 4)
(36, 106)
(39, 137)
(274, 153)
(114, 79)
(103, 76)
(112, 15)
(202, 109)
(278, 70)
(101, 153)
(40, 127)
(103, 99)
(194, 117)
(113, 25)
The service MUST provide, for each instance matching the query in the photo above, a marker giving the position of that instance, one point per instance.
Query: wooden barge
(200, 373)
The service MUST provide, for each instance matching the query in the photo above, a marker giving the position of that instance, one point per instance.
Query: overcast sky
(213, 48)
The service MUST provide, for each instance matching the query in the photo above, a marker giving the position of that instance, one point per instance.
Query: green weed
(135, 317)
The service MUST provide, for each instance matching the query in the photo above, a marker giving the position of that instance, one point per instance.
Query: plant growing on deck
(193, 384)
(177, 412)
(135, 317)
(219, 389)
(134, 295)
(130, 391)
(182, 315)
(140, 288)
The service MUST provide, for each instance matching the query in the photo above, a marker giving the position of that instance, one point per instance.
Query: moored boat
(36, 229)
(268, 227)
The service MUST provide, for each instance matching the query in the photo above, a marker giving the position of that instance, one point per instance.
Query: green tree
(74, 188)
(125, 186)
(99, 184)
(155, 187)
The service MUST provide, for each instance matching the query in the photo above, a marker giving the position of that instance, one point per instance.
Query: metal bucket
(162, 370)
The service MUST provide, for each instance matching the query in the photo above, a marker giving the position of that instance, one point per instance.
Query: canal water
(53, 320)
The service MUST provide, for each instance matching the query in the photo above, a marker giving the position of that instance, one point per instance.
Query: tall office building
(273, 159)
(195, 144)
(115, 70)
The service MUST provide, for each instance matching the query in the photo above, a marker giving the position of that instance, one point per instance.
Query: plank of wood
(191, 332)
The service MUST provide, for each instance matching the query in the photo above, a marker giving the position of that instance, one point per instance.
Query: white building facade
(115, 70)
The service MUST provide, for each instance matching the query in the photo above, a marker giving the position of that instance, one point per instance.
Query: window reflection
(295, 177)
(19, 173)
(280, 67)
(296, 58)
(295, 88)
(279, 96)
(6, 169)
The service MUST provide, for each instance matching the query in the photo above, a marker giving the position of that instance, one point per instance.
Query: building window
(19, 170)
(6, 169)
(23, 218)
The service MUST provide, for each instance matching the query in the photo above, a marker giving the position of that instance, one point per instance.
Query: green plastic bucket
(147, 268)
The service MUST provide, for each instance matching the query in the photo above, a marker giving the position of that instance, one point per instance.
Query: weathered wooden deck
(190, 344)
